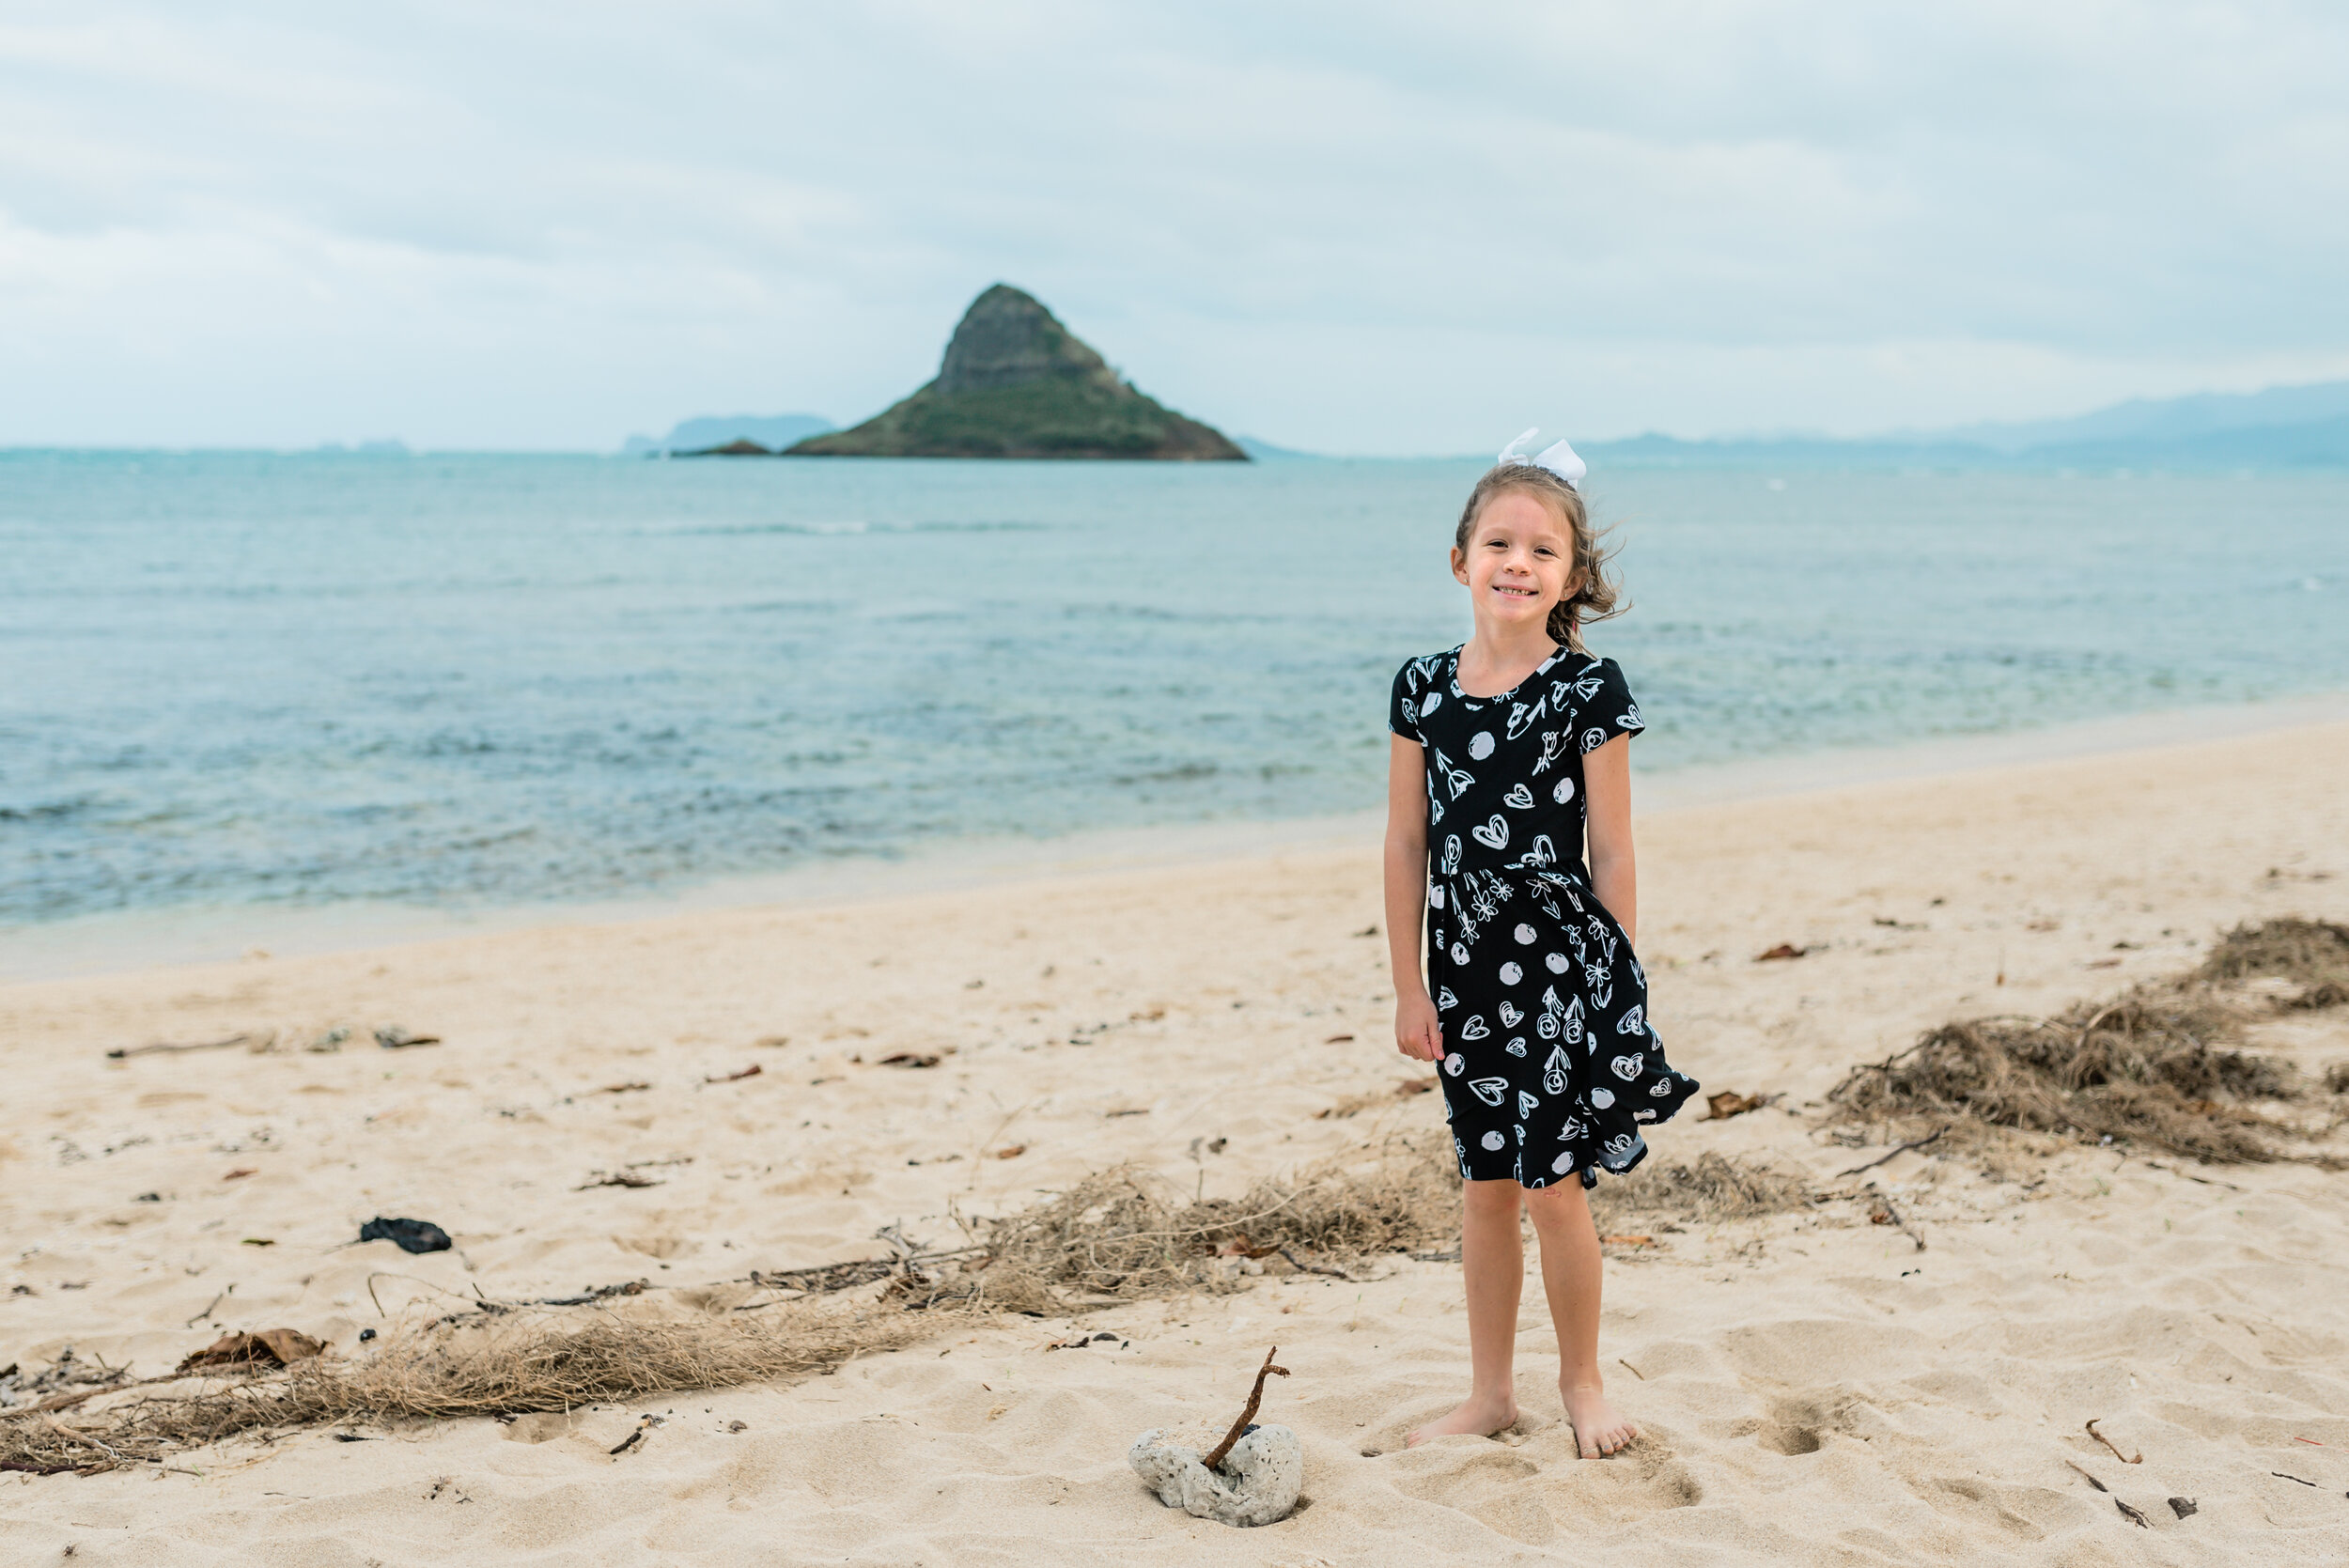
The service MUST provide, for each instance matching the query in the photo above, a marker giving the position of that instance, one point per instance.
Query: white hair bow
(1557, 457)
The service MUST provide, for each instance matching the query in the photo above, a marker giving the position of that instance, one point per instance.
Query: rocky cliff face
(1016, 383)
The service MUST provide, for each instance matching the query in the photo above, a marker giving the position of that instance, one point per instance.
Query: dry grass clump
(2160, 1064)
(2312, 954)
(1126, 1232)
(494, 1366)
(1120, 1233)
(1713, 1187)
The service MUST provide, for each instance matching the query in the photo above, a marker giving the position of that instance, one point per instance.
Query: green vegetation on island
(1016, 383)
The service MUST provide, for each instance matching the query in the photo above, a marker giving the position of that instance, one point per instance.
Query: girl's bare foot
(1480, 1414)
(1598, 1431)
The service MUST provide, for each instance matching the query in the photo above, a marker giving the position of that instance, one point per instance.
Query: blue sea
(471, 681)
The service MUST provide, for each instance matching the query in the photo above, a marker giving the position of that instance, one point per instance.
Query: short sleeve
(1403, 708)
(1603, 707)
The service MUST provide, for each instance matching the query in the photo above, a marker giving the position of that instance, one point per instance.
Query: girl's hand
(1417, 1033)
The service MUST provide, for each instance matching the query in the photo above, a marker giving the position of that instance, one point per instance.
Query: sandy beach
(1814, 1388)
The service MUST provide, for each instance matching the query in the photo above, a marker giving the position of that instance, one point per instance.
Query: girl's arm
(1417, 1033)
(1614, 869)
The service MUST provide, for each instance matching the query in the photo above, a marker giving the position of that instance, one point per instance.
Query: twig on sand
(2131, 1514)
(1314, 1268)
(1632, 1369)
(1885, 1214)
(123, 1054)
(1914, 1143)
(1255, 1396)
(2280, 1476)
(2107, 1443)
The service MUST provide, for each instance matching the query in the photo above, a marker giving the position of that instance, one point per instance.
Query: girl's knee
(1563, 1205)
(1491, 1197)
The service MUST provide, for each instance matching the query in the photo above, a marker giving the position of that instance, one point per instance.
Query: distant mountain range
(2283, 428)
(773, 431)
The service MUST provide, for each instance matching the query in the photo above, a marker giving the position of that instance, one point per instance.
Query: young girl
(1506, 749)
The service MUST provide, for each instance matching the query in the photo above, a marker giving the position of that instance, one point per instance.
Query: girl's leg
(1492, 1257)
(1570, 1277)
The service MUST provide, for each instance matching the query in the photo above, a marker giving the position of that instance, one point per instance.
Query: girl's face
(1519, 562)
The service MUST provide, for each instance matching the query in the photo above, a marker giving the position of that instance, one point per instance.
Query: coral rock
(1256, 1484)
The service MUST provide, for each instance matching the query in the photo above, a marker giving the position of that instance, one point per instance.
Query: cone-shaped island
(1016, 383)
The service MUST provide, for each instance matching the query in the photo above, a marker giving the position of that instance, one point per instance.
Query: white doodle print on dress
(1510, 975)
(1428, 704)
(1521, 718)
(1542, 855)
(1509, 1011)
(1516, 1046)
(1555, 962)
(1457, 779)
(1494, 1141)
(1526, 935)
(1475, 1028)
(1554, 1071)
(1455, 1064)
(1492, 1091)
(1627, 1067)
(1554, 743)
(1450, 861)
(1574, 1127)
(1593, 739)
(1494, 833)
(1563, 1163)
(1459, 953)
(1519, 797)
(1602, 1097)
(1618, 1149)
(1480, 745)
(1444, 999)
(1527, 1105)
(1657, 1090)
(1564, 791)
(1631, 1022)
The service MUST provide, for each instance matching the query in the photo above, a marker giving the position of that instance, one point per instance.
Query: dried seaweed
(2312, 954)
(1711, 1188)
(494, 1366)
(2162, 1064)
(1128, 1232)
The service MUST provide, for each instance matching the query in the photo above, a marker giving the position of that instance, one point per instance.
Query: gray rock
(1256, 1484)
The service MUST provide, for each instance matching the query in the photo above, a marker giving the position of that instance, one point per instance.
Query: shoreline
(129, 942)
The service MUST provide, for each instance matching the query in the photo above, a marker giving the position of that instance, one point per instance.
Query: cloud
(1368, 227)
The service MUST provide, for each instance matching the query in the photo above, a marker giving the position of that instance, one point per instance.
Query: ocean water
(472, 680)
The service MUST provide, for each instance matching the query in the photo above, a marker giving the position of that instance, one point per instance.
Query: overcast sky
(1352, 227)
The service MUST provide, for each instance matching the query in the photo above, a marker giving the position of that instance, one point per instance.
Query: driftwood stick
(2109, 1443)
(1256, 1395)
(1315, 1269)
(1917, 1143)
(123, 1054)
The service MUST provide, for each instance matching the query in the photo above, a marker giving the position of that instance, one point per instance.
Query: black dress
(1550, 1065)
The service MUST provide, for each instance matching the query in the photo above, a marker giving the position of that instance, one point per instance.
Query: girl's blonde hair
(1596, 590)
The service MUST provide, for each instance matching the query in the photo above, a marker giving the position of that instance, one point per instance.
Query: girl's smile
(1519, 562)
